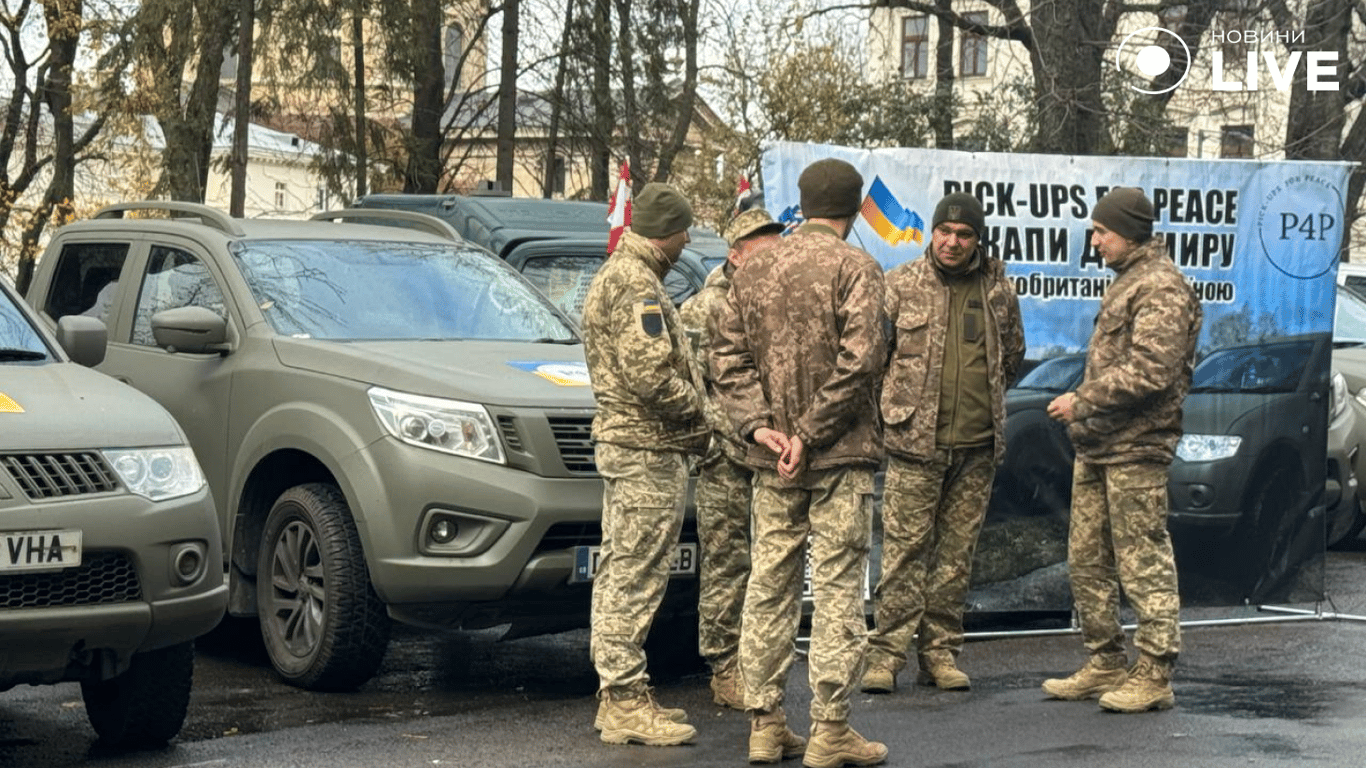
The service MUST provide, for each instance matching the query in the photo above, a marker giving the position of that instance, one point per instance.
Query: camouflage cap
(755, 221)
(659, 211)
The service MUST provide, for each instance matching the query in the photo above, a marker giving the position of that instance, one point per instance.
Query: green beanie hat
(659, 211)
(830, 189)
(1127, 212)
(960, 208)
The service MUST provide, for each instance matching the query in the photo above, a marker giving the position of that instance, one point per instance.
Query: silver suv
(396, 424)
(110, 557)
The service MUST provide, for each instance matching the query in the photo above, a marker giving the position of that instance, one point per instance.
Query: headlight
(157, 473)
(1207, 447)
(1338, 403)
(464, 429)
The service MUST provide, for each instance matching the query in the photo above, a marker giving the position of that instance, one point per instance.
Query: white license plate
(39, 550)
(587, 559)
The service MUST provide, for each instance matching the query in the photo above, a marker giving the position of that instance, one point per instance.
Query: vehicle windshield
(1270, 368)
(1055, 374)
(19, 340)
(359, 290)
(1349, 319)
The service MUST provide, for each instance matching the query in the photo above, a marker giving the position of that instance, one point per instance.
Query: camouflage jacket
(698, 315)
(645, 381)
(799, 348)
(917, 313)
(1138, 365)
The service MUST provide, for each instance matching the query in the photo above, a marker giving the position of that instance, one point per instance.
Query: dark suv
(558, 245)
(394, 422)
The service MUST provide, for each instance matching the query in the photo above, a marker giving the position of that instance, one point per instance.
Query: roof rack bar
(412, 219)
(214, 218)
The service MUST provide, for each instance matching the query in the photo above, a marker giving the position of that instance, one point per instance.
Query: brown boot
(728, 688)
(833, 744)
(676, 715)
(770, 740)
(642, 721)
(1102, 673)
(1149, 687)
(938, 669)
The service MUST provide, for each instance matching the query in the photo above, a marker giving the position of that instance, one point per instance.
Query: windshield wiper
(548, 340)
(16, 353)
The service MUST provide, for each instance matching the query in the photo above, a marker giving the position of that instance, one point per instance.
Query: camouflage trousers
(932, 514)
(642, 514)
(835, 509)
(1119, 538)
(724, 489)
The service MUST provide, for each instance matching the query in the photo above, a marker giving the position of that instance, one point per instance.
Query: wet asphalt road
(1256, 694)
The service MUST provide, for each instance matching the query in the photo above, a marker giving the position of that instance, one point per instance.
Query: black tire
(1264, 535)
(145, 706)
(324, 627)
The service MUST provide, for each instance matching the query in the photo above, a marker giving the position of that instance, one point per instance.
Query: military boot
(1102, 673)
(770, 740)
(878, 679)
(642, 721)
(937, 668)
(728, 687)
(1149, 687)
(833, 744)
(676, 715)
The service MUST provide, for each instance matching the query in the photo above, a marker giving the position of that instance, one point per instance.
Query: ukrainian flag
(888, 219)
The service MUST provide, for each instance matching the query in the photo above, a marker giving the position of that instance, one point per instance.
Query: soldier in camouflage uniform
(1124, 421)
(797, 356)
(648, 420)
(957, 344)
(724, 481)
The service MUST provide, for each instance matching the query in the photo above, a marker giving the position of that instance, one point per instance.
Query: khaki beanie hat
(1127, 212)
(659, 211)
(830, 189)
(960, 208)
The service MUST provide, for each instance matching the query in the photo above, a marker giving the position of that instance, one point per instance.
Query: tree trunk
(507, 96)
(358, 99)
(1314, 127)
(941, 120)
(687, 99)
(557, 103)
(604, 116)
(424, 161)
(1070, 41)
(629, 109)
(246, 32)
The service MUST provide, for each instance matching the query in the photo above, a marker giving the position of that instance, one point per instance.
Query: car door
(195, 388)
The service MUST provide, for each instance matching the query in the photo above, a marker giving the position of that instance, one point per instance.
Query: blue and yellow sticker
(557, 372)
(7, 404)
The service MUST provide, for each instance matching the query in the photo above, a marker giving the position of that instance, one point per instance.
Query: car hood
(1028, 399)
(1223, 413)
(488, 372)
(65, 406)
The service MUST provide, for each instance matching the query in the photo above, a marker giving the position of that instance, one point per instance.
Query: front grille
(50, 475)
(103, 578)
(574, 436)
(508, 426)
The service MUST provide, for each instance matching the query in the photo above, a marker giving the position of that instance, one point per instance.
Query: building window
(322, 198)
(915, 46)
(1176, 142)
(972, 48)
(279, 194)
(452, 50)
(1236, 141)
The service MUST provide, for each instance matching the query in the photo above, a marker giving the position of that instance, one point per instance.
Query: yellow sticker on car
(7, 404)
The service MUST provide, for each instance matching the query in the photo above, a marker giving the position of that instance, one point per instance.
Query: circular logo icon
(1299, 225)
(1150, 59)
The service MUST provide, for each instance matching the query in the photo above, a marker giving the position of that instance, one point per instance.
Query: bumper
(1207, 494)
(125, 596)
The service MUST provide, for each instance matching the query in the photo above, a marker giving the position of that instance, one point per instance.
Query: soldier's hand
(772, 439)
(790, 463)
(1061, 407)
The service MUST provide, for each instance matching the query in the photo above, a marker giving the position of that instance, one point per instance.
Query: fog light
(1201, 495)
(187, 563)
(443, 530)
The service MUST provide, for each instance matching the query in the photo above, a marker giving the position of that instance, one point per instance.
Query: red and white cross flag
(619, 212)
(740, 195)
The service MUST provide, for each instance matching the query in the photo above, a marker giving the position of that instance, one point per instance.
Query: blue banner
(1257, 239)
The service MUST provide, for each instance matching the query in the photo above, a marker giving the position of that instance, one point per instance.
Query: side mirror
(83, 338)
(190, 329)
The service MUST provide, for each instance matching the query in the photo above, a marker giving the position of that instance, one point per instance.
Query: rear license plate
(587, 559)
(39, 550)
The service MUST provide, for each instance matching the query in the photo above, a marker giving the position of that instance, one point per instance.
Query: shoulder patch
(651, 317)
